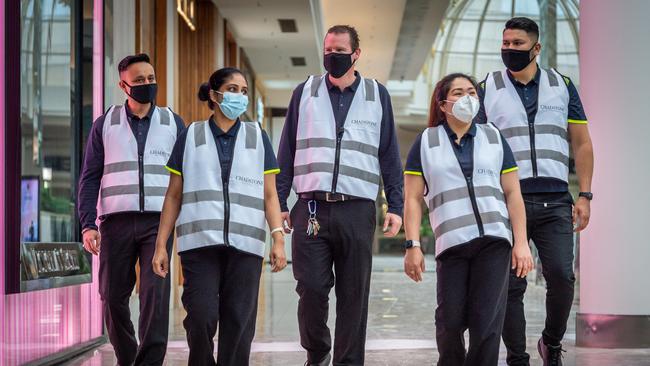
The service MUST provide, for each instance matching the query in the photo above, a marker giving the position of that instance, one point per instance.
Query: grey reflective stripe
(552, 79)
(543, 154)
(155, 191)
(494, 217)
(198, 226)
(498, 80)
(247, 230)
(315, 83)
(491, 217)
(120, 190)
(115, 115)
(455, 223)
(251, 135)
(199, 133)
(318, 142)
(520, 131)
(202, 196)
(164, 116)
(462, 193)
(491, 134)
(122, 166)
(246, 201)
(155, 169)
(343, 170)
(370, 90)
(434, 138)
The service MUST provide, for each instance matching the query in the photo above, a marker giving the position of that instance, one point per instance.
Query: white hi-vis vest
(461, 209)
(354, 168)
(216, 214)
(549, 148)
(120, 185)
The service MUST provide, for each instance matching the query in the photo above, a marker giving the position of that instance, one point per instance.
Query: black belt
(328, 197)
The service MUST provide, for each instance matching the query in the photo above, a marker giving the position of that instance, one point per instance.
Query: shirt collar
(130, 114)
(535, 79)
(232, 132)
(352, 87)
(452, 134)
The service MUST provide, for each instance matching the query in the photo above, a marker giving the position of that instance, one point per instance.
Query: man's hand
(392, 224)
(286, 222)
(278, 257)
(92, 241)
(414, 263)
(160, 262)
(522, 259)
(581, 214)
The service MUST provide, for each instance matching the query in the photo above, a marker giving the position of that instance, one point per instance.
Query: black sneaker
(551, 355)
(324, 362)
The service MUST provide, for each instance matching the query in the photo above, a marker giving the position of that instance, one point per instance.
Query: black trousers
(221, 288)
(344, 244)
(550, 226)
(125, 238)
(472, 288)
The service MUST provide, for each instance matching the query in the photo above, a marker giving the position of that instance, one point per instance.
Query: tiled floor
(400, 325)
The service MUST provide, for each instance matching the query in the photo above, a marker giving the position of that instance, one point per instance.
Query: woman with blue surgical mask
(220, 198)
(466, 175)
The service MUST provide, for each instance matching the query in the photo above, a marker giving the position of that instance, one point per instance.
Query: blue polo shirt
(528, 93)
(225, 142)
(464, 153)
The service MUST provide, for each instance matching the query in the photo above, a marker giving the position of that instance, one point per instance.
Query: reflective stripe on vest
(314, 164)
(504, 108)
(120, 185)
(201, 221)
(451, 212)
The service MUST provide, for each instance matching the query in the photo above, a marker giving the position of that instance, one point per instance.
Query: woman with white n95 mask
(220, 198)
(466, 174)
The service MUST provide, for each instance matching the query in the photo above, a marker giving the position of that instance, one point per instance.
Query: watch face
(408, 244)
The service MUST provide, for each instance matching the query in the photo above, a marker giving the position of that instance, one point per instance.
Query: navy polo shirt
(464, 153)
(389, 159)
(225, 142)
(528, 93)
(93, 165)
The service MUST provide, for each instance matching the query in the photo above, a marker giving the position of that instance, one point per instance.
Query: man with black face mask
(538, 112)
(338, 142)
(121, 191)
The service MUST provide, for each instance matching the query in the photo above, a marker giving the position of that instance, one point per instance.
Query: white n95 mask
(465, 108)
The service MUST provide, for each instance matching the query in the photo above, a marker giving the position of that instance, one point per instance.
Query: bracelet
(277, 229)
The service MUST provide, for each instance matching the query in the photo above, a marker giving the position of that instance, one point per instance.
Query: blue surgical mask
(233, 104)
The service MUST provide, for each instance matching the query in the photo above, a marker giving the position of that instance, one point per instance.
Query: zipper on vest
(533, 152)
(226, 218)
(472, 198)
(141, 181)
(337, 159)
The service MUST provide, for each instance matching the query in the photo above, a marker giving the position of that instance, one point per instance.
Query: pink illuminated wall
(40, 323)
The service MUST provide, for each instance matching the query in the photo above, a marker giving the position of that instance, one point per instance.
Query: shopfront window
(55, 109)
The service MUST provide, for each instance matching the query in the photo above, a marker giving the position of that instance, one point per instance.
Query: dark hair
(354, 36)
(217, 79)
(436, 116)
(525, 24)
(132, 59)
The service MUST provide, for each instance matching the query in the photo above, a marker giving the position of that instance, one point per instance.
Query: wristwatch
(411, 243)
(587, 195)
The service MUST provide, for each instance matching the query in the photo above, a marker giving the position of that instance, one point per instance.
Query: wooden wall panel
(196, 61)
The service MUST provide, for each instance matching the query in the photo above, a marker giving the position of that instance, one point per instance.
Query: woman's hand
(160, 261)
(522, 259)
(414, 263)
(277, 257)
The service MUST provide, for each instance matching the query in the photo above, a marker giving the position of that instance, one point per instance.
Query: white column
(615, 248)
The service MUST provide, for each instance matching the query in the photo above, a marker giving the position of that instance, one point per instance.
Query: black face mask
(143, 94)
(516, 60)
(337, 64)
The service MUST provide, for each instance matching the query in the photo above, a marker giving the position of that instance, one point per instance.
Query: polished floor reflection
(400, 325)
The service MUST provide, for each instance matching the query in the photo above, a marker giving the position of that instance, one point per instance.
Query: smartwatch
(411, 243)
(588, 195)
